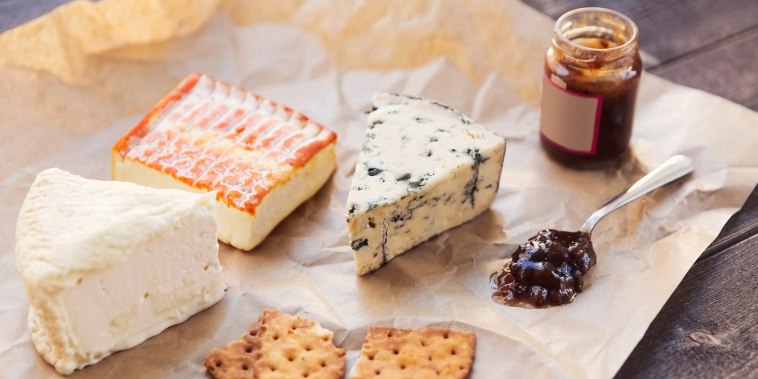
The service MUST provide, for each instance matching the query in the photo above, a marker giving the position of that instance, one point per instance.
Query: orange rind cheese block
(262, 158)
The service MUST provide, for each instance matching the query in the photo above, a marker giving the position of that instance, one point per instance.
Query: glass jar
(591, 75)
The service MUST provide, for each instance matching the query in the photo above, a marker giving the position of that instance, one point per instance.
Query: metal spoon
(533, 281)
(672, 169)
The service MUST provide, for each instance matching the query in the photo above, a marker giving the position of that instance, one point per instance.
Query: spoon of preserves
(549, 268)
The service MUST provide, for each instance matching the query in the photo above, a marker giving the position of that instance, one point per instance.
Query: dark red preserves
(548, 269)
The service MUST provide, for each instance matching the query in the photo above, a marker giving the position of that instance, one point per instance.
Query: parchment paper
(76, 79)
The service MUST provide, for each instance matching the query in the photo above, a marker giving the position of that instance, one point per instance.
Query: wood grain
(682, 27)
(708, 329)
(742, 225)
(728, 69)
(17, 12)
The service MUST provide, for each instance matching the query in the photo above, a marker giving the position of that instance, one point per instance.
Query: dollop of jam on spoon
(550, 268)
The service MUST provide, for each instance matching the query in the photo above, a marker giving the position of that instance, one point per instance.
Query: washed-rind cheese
(424, 168)
(108, 265)
(262, 158)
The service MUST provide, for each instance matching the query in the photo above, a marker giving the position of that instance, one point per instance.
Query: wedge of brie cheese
(262, 158)
(423, 168)
(107, 265)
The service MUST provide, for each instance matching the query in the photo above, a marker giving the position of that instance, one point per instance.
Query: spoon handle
(672, 169)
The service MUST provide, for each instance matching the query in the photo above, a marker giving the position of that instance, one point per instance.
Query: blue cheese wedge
(424, 168)
(108, 265)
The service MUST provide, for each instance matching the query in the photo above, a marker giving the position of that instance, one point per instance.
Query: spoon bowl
(549, 269)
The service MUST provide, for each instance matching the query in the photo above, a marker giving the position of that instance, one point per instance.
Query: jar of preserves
(591, 75)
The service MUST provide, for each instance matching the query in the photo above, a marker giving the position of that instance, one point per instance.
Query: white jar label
(570, 121)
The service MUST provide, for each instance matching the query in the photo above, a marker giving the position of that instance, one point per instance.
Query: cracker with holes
(279, 345)
(415, 353)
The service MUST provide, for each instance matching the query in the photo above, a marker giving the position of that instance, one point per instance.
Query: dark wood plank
(687, 26)
(17, 12)
(742, 225)
(554, 8)
(708, 329)
(633, 9)
(672, 28)
(728, 69)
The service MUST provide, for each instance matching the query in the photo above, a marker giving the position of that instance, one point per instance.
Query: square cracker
(415, 353)
(279, 345)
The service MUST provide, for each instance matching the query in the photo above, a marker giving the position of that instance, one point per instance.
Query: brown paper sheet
(76, 79)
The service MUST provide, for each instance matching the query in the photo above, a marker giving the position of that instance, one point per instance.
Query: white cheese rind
(107, 265)
(424, 168)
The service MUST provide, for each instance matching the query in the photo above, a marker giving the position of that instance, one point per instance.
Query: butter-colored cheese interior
(235, 227)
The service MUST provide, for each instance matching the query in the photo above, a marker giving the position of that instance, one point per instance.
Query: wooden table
(709, 326)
